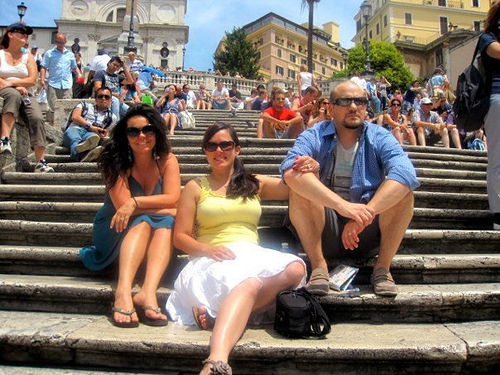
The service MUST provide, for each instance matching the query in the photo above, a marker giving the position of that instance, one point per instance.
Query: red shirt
(284, 115)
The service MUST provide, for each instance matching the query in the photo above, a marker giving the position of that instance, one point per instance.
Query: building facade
(105, 24)
(282, 46)
(423, 30)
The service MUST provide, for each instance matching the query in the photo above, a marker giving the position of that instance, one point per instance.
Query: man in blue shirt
(362, 198)
(59, 62)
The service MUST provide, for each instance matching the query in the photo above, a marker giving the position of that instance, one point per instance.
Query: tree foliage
(238, 55)
(386, 61)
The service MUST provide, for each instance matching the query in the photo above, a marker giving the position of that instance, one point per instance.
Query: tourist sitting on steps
(430, 127)
(90, 123)
(143, 186)
(112, 80)
(220, 97)
(277, 121)
(18, 72)
(169, 105)
(397, 123)
(362, 199)
(229, 278)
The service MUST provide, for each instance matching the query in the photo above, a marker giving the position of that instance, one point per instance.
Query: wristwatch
(86, 127)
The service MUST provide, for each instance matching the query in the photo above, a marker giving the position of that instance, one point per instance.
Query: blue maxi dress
(107, 241)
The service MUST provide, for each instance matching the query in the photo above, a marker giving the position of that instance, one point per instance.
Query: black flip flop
(143, 318)
(123, 312)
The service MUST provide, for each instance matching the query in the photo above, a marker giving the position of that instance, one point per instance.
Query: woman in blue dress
(135, 223)
(169, 106)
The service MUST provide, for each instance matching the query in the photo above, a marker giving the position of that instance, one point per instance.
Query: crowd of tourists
(347, 179)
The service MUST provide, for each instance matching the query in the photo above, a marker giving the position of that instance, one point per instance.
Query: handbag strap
(320, 324)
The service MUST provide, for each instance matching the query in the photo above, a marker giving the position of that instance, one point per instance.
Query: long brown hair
(242, 183)
(491, 23)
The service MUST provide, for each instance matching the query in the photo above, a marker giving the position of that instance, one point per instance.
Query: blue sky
(209, 19)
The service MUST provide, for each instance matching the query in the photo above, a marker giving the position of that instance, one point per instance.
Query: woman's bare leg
(132, 253)
(158, 256)
(251, 295)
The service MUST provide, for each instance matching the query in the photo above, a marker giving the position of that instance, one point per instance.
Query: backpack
(105, 123)
(299, 314)
(472, 95)
(476, 144)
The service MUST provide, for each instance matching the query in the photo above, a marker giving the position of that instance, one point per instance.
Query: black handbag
(299, 314)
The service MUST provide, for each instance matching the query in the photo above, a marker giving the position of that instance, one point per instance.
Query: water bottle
(284, 247)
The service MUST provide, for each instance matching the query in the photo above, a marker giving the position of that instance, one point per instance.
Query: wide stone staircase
(445, 320)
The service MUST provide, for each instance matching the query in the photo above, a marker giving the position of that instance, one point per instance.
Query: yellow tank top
(221, 220)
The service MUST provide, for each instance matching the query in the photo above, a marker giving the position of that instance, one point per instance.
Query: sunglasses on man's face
(346, 102)
(224, 146)
(134, 132)
(103, 96)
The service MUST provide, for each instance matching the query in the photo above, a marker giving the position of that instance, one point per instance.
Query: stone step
(253, 146)
(66, 340)
(405, 268)
(190, 171)
(275, 156)
(414, 302)
(95, 193)
(264, 164)
(273, 214)
(242, 132)
(416, 241)
(31, 370)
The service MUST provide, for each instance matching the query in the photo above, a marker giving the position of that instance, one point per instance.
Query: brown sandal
(318, 282)
(218, 367)
(196, 316)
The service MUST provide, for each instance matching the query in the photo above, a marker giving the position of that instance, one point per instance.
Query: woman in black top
(490, 54)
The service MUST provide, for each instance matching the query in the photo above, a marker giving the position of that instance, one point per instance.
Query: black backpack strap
(69, 120)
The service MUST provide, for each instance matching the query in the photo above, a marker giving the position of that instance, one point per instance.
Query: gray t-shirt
(342, 171)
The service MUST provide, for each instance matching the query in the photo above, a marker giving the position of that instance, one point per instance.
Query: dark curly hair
(116, 158)
(242, 183)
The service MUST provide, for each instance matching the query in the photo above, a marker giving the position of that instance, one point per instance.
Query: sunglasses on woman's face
(325, 103)
(134, 132)
(224, 146)
(395, 105)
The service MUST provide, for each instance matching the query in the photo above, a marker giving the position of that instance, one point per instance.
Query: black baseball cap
(20, 27)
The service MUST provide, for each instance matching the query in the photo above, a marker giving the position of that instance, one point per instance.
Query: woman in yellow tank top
(229, 277)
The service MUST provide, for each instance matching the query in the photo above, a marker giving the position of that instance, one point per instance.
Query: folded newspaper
(341, 277)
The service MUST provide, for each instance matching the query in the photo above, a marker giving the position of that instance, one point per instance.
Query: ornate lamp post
(183, 55)
(21, 11)
(130, 39)
(366, 11)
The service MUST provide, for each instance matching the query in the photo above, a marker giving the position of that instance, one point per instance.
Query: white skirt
(206, 282)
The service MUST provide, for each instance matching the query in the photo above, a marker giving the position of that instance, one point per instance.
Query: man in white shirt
(220, 97)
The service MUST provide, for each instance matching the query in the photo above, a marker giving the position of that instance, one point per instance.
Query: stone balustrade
(243, 85)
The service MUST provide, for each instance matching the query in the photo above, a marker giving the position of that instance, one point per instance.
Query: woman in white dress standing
(229, 277)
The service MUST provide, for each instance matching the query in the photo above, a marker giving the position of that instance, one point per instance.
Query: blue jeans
(118, 108)
(375, 104)
(73, 136)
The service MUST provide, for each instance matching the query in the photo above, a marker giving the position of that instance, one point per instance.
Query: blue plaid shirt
(379, 156)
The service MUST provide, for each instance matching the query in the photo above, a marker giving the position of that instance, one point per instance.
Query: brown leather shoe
(383, 283)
